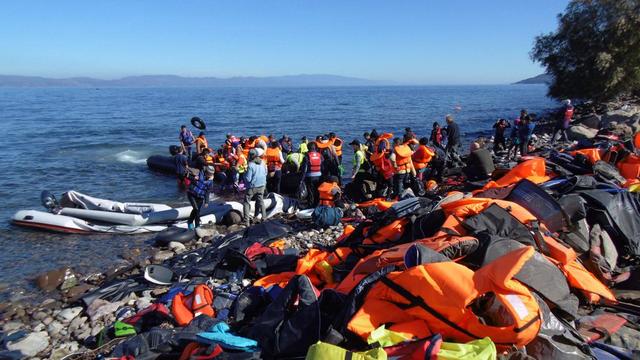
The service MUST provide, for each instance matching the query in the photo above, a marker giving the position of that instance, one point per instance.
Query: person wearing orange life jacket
(421, 157)
(403, 165)
(337, 145)
(330, 193)
(330, 164)
(275, 160)
(203, 159)
(311, 169)
(201, 143)
(382, 164)
(410, 139)
(240, 167)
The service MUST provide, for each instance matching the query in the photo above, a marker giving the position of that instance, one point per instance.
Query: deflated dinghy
(67, 224)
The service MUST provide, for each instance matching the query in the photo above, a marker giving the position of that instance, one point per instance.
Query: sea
(97, 140)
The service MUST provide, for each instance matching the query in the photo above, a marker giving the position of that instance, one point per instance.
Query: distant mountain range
(540, 79)
(180, 81)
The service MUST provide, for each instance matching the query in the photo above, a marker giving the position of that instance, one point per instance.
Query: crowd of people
(258, 163)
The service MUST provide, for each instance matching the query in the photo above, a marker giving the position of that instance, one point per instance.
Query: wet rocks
(30, 345)
(51, 280)
(12, 326)
(177, 247)
(162, 255)
(77, 323)
(75, 293)
(55, 328)
(206, 231)
(99, 309)
(68, 314)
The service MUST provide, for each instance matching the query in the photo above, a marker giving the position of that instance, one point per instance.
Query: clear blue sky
(427, 42)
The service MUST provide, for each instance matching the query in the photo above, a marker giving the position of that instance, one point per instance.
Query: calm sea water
(96, 141)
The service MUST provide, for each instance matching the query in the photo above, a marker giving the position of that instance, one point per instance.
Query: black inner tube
(198, 123)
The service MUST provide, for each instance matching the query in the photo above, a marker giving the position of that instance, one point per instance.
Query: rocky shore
(60, 326)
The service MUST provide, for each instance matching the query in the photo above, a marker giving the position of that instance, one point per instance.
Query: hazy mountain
(540, 79)
(179, 81)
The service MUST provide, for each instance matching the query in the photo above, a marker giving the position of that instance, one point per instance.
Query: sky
(404, 41)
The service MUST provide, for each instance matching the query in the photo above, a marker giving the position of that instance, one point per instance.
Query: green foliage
(595, 52)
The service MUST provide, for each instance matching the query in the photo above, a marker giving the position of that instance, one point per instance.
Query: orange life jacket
(422, 156)
(395, 256)
(202, 141)
(564, 257)
(592, 154)
(388, 233)
(325, 193)
(186, 307)
(533, 170)
(630, 167)
(403, 157)
(379, 158)
(273, 157)
(379, 203)
(208, 159)
(323, 144)
(636, 140)
(435, 298)
(223, 164)
(337, 144)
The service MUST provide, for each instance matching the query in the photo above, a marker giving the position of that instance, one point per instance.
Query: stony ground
(59, 325)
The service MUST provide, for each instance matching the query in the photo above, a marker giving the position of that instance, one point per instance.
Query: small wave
(131, 157)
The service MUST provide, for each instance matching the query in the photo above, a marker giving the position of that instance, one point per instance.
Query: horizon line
(239, 77)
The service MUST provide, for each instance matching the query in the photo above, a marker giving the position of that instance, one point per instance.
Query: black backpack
(291, 323)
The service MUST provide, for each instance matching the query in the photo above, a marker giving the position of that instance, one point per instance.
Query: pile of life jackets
(526, 264)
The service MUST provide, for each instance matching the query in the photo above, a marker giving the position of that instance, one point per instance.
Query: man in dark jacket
(453, 138)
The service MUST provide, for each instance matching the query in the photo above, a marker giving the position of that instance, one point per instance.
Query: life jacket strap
(418, 301)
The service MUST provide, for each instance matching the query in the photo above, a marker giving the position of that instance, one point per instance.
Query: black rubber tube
(198, 123)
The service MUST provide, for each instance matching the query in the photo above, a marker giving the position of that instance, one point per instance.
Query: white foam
(131, 157)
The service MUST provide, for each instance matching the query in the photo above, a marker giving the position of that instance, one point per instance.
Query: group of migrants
(258, 163)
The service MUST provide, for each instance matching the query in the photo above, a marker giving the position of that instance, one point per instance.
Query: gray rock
(177, 247)
(205, 231)
(580, 132)
(40, 315)
(12, 326)
(96, 330)
(143, 303)
(54, 329)
(48, 303)
(77, 323)
(60, 353)
(161, 256)
(621, 130)
(48, 320)
(69, 314)
(31, 344)
(70, 281)
(591, 121)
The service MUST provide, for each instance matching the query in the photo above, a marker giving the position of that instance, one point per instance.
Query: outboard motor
(49, 201)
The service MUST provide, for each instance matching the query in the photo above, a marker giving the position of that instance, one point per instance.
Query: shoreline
(63, 325)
